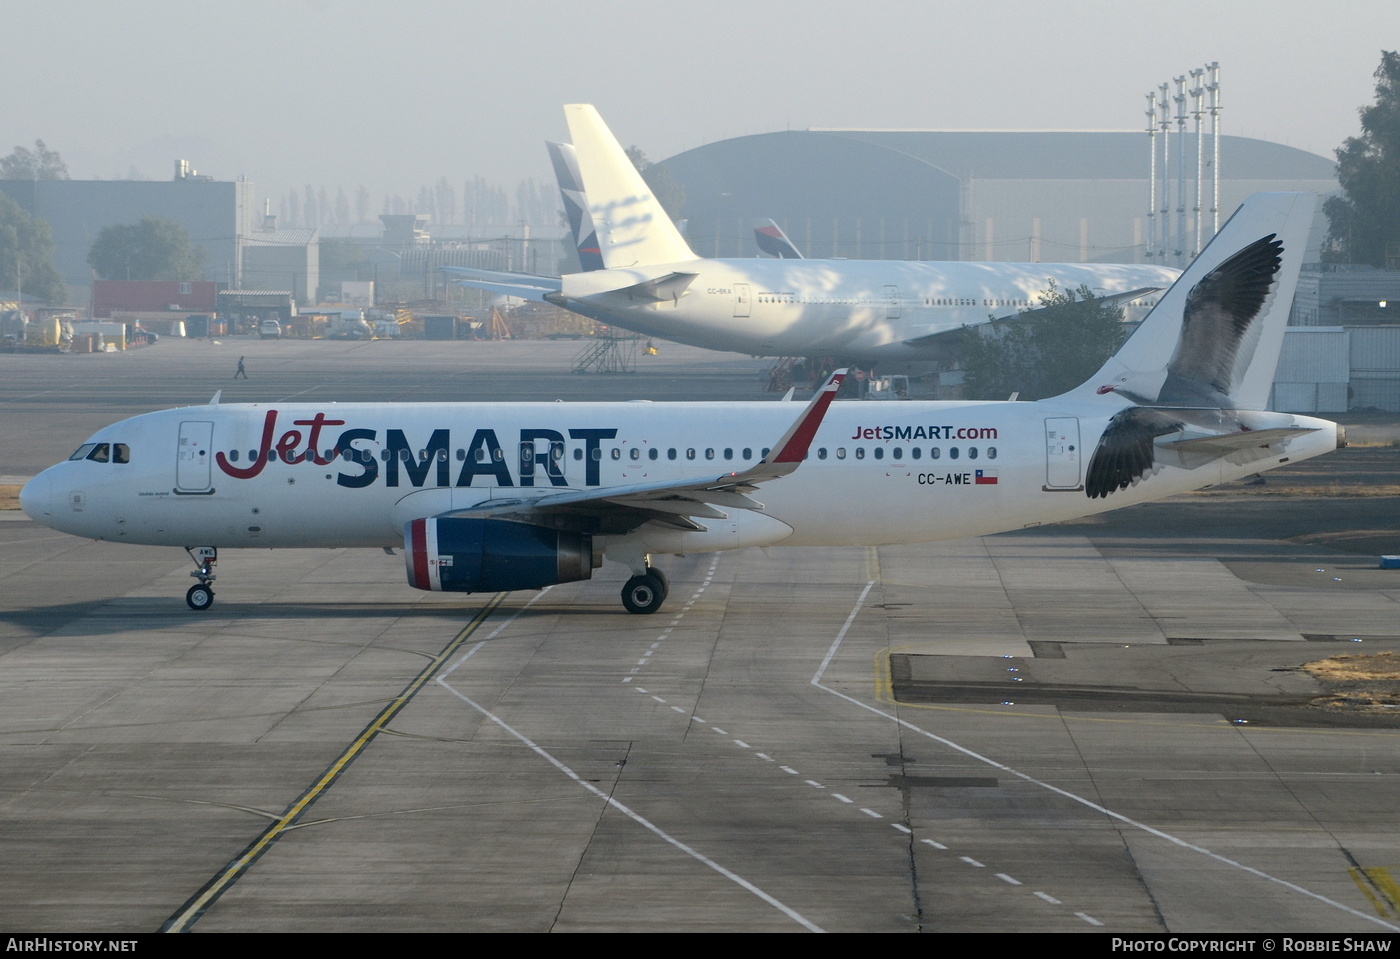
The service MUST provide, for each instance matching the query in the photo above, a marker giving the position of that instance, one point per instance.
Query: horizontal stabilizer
(1230, 442)
(672, 286)
(527, 286)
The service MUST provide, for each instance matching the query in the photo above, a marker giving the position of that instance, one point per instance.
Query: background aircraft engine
(488, 555)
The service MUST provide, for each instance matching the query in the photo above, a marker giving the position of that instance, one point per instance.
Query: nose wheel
(200, 596)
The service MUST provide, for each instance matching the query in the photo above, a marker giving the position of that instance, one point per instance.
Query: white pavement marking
(1048, 898)
(971, 754)
(934, 844)
(836, 643)
(1005, 878)
(1088, 918)
(627, 811)
(666, 633)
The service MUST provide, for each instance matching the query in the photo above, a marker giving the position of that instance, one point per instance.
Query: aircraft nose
(36, 498)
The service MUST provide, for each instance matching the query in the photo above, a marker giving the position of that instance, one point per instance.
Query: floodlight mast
(1180, 101)
(1164, 125)
(1197, 97)
(1159, 191)
(1151, 176)
(1213, 88)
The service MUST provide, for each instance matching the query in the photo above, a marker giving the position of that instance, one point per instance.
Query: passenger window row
(99, 453)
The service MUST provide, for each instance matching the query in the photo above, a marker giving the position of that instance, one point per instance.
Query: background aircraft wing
(527, 286)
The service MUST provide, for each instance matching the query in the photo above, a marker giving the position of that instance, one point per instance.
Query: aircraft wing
(618, 509)
(527, 286)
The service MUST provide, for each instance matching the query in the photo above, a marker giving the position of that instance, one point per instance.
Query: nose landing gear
(200, 596)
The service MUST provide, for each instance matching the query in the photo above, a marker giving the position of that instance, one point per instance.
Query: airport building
(1009, 196)
(1343, 348)
(218, 215)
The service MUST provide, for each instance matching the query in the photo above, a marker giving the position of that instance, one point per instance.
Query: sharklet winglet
(792, 448)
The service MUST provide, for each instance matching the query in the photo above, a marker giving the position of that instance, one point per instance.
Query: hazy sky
(395, 95)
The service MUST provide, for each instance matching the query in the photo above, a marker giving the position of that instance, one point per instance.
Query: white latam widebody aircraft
(861, 311)
(487, 497)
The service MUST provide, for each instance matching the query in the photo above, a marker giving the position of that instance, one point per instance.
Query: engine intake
(491, 555)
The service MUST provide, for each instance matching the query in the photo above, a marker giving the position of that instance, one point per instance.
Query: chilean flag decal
(985, 478)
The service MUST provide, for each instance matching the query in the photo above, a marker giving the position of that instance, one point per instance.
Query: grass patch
(9, 497)
(1360, 682)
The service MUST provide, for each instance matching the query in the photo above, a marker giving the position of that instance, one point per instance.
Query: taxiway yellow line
(189, 913)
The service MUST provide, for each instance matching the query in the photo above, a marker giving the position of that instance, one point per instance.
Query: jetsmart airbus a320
(487, 497)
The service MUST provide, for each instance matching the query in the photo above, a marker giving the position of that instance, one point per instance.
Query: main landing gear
(646, 592)
(200, 596)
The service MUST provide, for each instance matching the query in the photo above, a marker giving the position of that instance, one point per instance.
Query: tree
(39, 164)
(1045, 351)
(26, 254)
(154, 249)
(669, 193)
(1364, 223)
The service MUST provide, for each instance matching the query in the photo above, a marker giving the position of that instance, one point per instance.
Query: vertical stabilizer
(633, 229)
(575, 205)
(773, 241)
(1222, 322)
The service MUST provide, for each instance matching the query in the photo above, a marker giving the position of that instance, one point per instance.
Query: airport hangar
(1000, 195)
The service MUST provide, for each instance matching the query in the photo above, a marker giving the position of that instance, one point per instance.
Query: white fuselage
(854, 310)
(243, 476)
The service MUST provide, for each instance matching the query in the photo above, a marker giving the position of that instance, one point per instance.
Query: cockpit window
(100, 453)
(121, 453)
(83, 451)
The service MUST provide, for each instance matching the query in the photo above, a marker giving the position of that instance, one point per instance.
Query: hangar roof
(1015, 154)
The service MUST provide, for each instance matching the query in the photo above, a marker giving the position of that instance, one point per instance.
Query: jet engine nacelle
(490, 555)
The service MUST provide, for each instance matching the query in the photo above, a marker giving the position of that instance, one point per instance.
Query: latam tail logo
(772, 241)
(985, 478)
